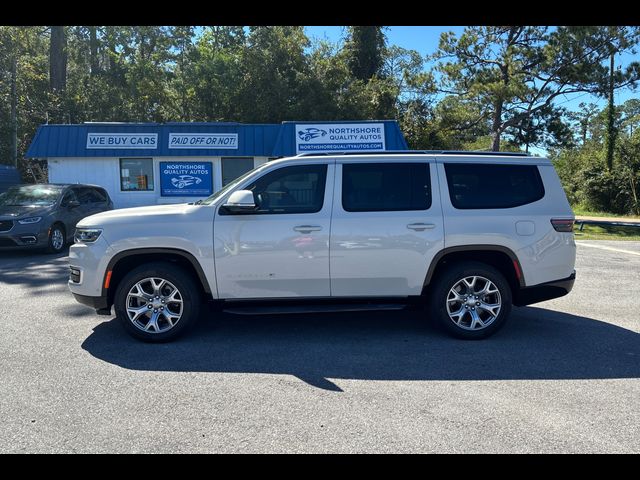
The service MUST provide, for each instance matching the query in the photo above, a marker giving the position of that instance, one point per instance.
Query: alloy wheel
(474, 303)
(154, 305)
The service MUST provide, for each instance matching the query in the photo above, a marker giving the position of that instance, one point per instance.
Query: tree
(629, 155)
(517, 72)
(182, 39)
(58, 59)
(545, 127)
(582, 119)
(365, 49)
(631, 115)
(24, 86)
(213, 74)
(276, 84)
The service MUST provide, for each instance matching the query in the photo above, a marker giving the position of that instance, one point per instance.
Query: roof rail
(413, 152)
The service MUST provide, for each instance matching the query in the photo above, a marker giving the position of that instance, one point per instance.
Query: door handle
(307, 228)
(419, 227)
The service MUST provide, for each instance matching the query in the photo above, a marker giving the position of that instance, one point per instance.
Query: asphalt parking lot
(562, 376)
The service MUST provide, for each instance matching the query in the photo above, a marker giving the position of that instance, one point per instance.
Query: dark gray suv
(45, 215)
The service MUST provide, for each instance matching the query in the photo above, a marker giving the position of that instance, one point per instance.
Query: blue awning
(155, 139)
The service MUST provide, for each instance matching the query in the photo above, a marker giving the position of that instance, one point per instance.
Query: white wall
(105, 171)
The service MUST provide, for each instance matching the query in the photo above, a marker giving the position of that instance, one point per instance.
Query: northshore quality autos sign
(185, 179)
(324, 137)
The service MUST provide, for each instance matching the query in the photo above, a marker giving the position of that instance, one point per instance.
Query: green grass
(582, 210)
(601, 232)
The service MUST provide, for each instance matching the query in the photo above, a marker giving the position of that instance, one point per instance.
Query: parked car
(45, 215)
(469, 234)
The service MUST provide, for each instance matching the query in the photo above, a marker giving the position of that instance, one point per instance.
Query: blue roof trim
(267, 140)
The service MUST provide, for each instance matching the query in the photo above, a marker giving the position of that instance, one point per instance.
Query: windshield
(30, 195)
(229, 186)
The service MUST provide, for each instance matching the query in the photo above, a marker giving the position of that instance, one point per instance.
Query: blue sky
(425, 41)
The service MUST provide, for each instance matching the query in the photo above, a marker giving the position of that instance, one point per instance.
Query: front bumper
(99, 304)
(23, 238)
(544, 291)
(87, 264)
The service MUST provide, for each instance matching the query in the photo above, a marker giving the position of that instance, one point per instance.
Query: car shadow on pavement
(34, 269)
(536, 344)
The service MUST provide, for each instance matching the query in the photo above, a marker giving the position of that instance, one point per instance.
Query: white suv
(471, 233)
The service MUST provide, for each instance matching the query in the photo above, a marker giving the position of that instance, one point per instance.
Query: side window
(295, 189)
(477, 186)
(85, 195)
(379, 187)
(69, 196)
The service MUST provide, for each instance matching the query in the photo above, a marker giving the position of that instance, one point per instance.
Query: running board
(298, 309)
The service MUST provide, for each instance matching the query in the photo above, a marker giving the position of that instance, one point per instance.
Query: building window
(234, 167)
(136, 174)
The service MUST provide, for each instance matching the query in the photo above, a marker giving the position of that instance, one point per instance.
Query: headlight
(87, 235)
(29, 221)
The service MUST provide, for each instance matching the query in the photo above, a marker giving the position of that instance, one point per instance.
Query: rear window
(375, 187)
(475, 186)
(102, 195)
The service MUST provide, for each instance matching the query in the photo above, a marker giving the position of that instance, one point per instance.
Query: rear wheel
(157, 302)
(471, 300)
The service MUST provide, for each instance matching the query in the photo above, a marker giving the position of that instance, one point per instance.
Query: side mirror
(240, 201)
(73, 204)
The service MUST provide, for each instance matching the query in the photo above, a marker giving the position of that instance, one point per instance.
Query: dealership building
(154, 163)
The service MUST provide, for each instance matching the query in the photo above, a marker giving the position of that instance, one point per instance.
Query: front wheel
(157, 302)
(57, 239)
(471, 300)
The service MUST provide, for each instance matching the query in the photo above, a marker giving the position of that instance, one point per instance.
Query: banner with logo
(339, 137)
(186, 179)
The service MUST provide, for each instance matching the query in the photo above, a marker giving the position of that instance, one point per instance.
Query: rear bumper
(100, 304)
(544, 291)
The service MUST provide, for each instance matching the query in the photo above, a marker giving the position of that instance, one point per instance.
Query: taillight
(562, 224)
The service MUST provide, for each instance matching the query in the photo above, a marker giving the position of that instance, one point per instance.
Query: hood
(11, 212)
(137, 215)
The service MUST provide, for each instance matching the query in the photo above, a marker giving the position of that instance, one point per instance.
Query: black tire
(189, 293)
(448, 279)
(51, 248)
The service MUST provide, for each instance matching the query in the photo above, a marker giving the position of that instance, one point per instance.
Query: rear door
(386, 226)
(505, 202)
(71, 215)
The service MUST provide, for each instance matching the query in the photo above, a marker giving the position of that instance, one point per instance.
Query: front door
(386, 226)
(280, 250)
